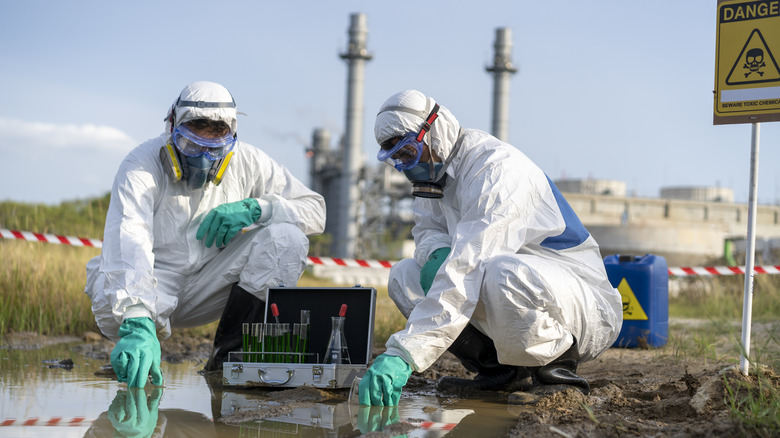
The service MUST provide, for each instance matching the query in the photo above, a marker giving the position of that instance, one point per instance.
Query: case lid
(324, 303)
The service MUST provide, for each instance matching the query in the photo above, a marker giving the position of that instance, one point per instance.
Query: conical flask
(337, 352)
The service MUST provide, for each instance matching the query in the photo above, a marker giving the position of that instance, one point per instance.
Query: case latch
(316, 373)
(236, 370)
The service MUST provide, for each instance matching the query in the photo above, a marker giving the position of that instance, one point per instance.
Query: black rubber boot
(563, 371)
(241, 307)
(478, 354)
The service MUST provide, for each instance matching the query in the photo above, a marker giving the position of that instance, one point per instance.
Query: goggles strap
(200, 104)
(430, 119)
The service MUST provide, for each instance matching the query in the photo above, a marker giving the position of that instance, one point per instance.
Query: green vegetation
(83, 218)
(721, 297)
(42, 288)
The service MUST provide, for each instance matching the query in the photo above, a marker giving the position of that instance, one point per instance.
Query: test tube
(305, 342)
(246, 341)
(268, 344)
(305, 331)
(257, 340)
(286, 342)
(296, 342)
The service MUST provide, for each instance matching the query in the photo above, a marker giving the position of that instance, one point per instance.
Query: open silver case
(290, 369)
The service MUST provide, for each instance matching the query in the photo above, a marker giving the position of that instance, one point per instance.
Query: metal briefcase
(268, 365)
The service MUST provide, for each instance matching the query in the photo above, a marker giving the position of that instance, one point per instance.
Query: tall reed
(42, 288)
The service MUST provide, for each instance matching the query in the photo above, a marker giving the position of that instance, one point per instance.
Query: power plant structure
(502, 70)
(369, 206)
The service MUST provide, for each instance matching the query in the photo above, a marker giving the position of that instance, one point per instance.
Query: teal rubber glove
(225, 221)
(382, 383)
(132, 414)
(428, 272)
(137, 355)
(376, 418)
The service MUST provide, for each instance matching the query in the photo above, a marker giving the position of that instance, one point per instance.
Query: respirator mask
(428, 178)
(194, 158)
(201, 154)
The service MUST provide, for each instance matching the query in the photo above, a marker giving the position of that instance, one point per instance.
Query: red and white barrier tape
(54, 421)
(329, 261)
(432, 425)
(722, 270)
(50, 238)
(97, 243)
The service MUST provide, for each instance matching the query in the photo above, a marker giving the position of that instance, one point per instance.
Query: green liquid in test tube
(246, 346)
(305, 332)
(267, 342)
(257, 340)
(277, 334)
(296, 342)
(286, 342)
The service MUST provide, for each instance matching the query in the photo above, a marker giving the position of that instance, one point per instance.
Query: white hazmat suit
(522, 268)
(151, 262)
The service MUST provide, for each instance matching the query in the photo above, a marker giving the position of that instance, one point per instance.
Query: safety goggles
(406, 153)
(193, 145)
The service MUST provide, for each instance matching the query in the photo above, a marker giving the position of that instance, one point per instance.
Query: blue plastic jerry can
(643, 283)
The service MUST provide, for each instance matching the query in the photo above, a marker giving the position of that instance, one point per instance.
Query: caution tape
(97, 243)
(331, 261)
(54, 421)
(50, 238)
(722, 270)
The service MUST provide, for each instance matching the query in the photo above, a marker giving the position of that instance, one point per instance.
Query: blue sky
(608, 90)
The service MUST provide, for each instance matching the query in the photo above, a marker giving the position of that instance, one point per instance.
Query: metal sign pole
(747, 301)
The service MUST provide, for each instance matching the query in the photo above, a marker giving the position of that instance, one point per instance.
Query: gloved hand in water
(137, 354)
(132, 414)
(382, 383)
(225, 221)
(428, 272)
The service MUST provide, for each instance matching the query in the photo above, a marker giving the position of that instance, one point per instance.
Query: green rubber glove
(132, 414)
(382, 383)
(137, 355)
(428, 272)
(376, 418)
(225, 221)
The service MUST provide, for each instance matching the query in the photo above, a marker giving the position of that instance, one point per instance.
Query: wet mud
(634, 392)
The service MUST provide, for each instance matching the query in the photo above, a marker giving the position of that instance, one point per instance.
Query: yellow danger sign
(747, 73)
(632, 310)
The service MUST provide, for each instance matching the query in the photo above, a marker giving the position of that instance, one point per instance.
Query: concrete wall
(686, 233)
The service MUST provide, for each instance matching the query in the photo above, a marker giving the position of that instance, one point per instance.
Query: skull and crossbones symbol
(754, 61)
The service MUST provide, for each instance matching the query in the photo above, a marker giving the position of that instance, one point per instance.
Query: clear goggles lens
(193, 145)
(404, 155)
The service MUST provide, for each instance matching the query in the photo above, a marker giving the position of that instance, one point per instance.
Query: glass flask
(337, 352)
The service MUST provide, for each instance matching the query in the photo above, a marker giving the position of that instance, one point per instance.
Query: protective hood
(202, 100)
(393, 122)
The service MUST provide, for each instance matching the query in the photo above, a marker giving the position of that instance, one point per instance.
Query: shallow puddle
(43, 394)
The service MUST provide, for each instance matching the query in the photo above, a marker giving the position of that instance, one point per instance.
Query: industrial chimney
(345, 235)
(501, 69)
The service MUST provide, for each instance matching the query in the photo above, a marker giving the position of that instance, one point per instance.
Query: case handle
(261, 371)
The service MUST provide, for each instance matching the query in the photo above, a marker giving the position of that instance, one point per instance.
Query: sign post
(747, 90)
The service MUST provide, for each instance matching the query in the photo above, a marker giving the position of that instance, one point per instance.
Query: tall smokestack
(502, 69)
(352, 158)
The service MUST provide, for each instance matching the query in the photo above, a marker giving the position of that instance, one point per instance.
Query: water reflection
(42, 394)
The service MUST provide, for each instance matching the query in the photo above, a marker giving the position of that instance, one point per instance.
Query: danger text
(750, 11)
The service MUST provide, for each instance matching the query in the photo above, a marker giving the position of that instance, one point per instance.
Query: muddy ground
(634, 392)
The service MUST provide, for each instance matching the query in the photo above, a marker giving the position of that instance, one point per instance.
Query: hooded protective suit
(522, 269)
(151, 262)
